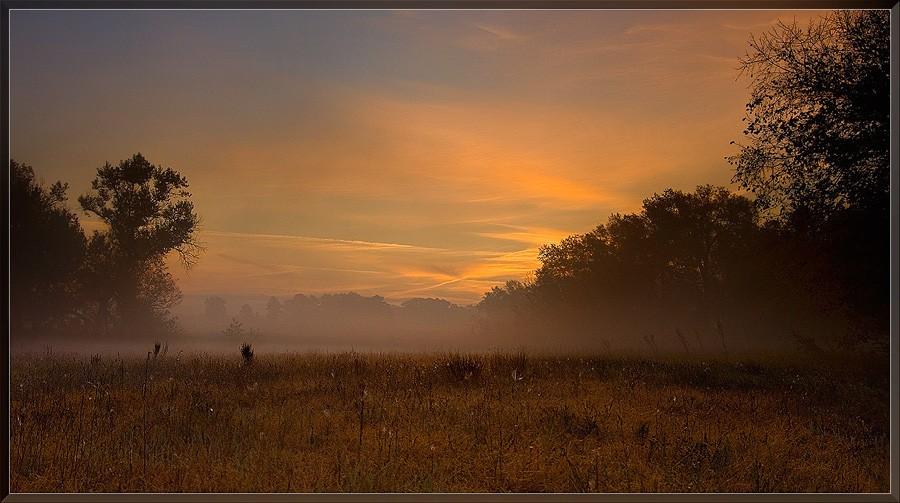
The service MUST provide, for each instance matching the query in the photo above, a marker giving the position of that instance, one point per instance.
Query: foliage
(235, 329)
(47, 247)
(818, 118)
(818, 156)
(148, 213)
(147, 209)
(694, 260)
(246, 353)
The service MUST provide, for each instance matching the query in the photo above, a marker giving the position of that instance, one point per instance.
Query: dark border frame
(449, 4)
(893, 5)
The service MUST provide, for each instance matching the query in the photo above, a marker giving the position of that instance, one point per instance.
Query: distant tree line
(114, 280)
(303, 315)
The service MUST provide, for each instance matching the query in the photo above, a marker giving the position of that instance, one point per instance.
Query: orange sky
(400, 153)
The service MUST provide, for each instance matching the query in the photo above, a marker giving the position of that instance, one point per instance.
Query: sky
(399, 153)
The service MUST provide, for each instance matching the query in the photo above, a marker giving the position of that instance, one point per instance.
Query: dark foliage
(818, 119)
(114, 278)
(148, 213)
(247, 353)
(47, 247)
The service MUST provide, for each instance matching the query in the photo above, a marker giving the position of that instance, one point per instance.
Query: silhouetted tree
(299, 308)
(687, 259)
(432, 312)
(818, 155)
(98, 284)
(694, 234)
(47, 247)
(514, 301)
(158, 293)
(818, 118)
(149, 214)
(677, 249)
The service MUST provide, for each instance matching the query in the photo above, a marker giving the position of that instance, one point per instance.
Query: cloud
(499, 32)
(317, 242)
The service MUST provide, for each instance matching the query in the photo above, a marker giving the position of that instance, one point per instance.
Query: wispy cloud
(318, 241)
(500, 32)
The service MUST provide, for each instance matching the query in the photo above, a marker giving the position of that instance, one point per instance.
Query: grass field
(445, 423)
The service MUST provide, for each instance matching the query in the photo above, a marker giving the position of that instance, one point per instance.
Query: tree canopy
(149, 214)
(817, 133)
(46, 250)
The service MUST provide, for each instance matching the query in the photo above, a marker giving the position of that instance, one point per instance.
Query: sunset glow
(399, 153)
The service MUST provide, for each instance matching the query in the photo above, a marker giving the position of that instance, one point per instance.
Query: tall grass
(475, 422)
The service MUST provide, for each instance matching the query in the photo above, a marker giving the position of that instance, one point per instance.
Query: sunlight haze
(399, 153)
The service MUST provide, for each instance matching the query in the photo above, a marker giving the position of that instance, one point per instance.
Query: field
(445, 423)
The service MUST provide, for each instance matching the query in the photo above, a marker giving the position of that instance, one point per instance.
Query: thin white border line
(354, 10)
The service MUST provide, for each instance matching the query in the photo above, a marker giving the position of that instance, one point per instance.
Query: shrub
(247, 353)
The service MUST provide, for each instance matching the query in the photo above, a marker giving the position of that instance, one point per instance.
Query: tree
(818, 117)
(98, 285)
(510, 299)
(693, 232)
(47, 246)
(149, 214)
(680, 249)
(158, 293)
(235, 329)
(818, 156)
(687, 259)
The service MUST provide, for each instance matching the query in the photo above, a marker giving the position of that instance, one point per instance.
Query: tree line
(337, 313)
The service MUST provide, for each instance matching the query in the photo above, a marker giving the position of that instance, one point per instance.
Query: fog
(352, 322)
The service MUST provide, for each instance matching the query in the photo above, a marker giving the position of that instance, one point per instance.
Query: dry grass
(443, 423)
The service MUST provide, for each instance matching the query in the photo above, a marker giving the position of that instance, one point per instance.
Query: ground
(446, 423)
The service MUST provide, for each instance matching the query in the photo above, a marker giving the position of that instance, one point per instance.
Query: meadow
(490, 422)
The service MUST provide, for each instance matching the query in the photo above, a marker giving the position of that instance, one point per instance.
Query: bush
(247, 353)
